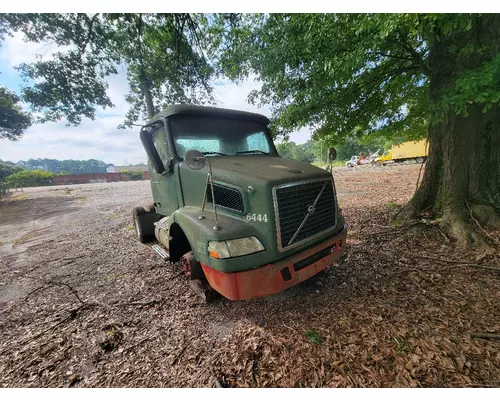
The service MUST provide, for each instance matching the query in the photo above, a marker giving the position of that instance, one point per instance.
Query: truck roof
(209, 111)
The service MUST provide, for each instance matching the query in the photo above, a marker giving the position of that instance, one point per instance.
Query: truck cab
(238, 217)
(384, 158)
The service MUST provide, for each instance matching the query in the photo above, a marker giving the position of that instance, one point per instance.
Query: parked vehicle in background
(362, 160)
(352, 162)
(369, 159)
(408, 151)
(384, 158)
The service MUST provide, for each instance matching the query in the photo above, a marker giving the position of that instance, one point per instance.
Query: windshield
(219, 136)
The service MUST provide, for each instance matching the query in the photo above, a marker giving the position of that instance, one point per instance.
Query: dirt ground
(84, 304)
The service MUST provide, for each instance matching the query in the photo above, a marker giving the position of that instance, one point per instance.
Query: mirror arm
(169, 167)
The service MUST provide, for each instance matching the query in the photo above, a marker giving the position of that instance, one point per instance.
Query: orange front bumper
(276, 277)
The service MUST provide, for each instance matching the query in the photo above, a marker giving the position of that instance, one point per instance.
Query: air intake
(226, 198)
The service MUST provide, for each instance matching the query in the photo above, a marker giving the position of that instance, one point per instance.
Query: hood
(254, 168)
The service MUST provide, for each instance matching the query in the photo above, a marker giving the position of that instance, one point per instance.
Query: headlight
(339, 211)
(235, 247)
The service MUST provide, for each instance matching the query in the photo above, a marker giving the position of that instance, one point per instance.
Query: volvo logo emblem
(310, 210)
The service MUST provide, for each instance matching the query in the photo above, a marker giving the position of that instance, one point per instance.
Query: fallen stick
(443, 260)
(136, 344)
(475, 266)
(442, 233)
(34, 291)
(479, 225)
(396, 229)
(458, 263)
(137, 303)
(215, 381)
(486, 336)
(71, 316)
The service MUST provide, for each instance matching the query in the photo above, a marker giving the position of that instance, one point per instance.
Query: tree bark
(463, 166)
(144, 81)
(146, 91)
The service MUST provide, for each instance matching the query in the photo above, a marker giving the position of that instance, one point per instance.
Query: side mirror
(332, 154)
(195, 159)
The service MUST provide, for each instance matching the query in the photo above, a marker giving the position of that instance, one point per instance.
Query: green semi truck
(240, 220)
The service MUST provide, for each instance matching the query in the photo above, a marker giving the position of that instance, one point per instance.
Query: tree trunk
(146, 91)
(462, 173)
(144, 81)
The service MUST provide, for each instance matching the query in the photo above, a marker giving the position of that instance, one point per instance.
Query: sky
(99, 139)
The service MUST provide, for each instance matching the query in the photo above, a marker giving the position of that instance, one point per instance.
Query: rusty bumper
(276, 277)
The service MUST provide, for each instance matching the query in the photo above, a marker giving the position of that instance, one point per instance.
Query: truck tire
(139, 228)
(420, 160)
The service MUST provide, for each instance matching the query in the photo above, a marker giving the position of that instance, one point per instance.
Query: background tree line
(65, 167)
(38, 172)
(26, 178)
(71, 166)
(316, 150)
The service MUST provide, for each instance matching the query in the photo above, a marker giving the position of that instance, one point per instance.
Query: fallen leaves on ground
(397, 311)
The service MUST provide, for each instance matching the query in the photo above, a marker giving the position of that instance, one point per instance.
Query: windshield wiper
(213, 152)
(251, 151)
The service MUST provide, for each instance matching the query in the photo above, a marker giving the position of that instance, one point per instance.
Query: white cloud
(100, 139)
(15, 51)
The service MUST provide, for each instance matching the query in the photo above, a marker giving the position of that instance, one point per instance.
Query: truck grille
(293, 203)
(225, 197)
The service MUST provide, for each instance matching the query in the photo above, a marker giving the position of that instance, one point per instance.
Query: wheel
(191, 266)
(420, 160)
(139, 228)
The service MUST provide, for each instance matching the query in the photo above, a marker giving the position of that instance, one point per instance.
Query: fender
(200, 231)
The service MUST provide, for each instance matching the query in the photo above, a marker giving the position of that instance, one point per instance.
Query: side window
(258, 141)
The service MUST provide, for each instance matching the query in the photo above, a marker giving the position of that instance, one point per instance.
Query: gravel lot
(83, 303)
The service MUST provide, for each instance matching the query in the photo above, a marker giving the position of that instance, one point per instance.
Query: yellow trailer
(410, 150)
(413, 150)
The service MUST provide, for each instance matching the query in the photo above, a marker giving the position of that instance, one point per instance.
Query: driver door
(163, 185)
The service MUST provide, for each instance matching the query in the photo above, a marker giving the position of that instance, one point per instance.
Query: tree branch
(89, 34)
(379, 77)
(424, 69)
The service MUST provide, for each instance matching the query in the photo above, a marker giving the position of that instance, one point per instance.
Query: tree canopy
(159, 52)
(7, 169)
(27, 178)
(13, 120)
(348, 73)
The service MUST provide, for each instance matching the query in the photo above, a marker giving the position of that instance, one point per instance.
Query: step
(161, 252)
